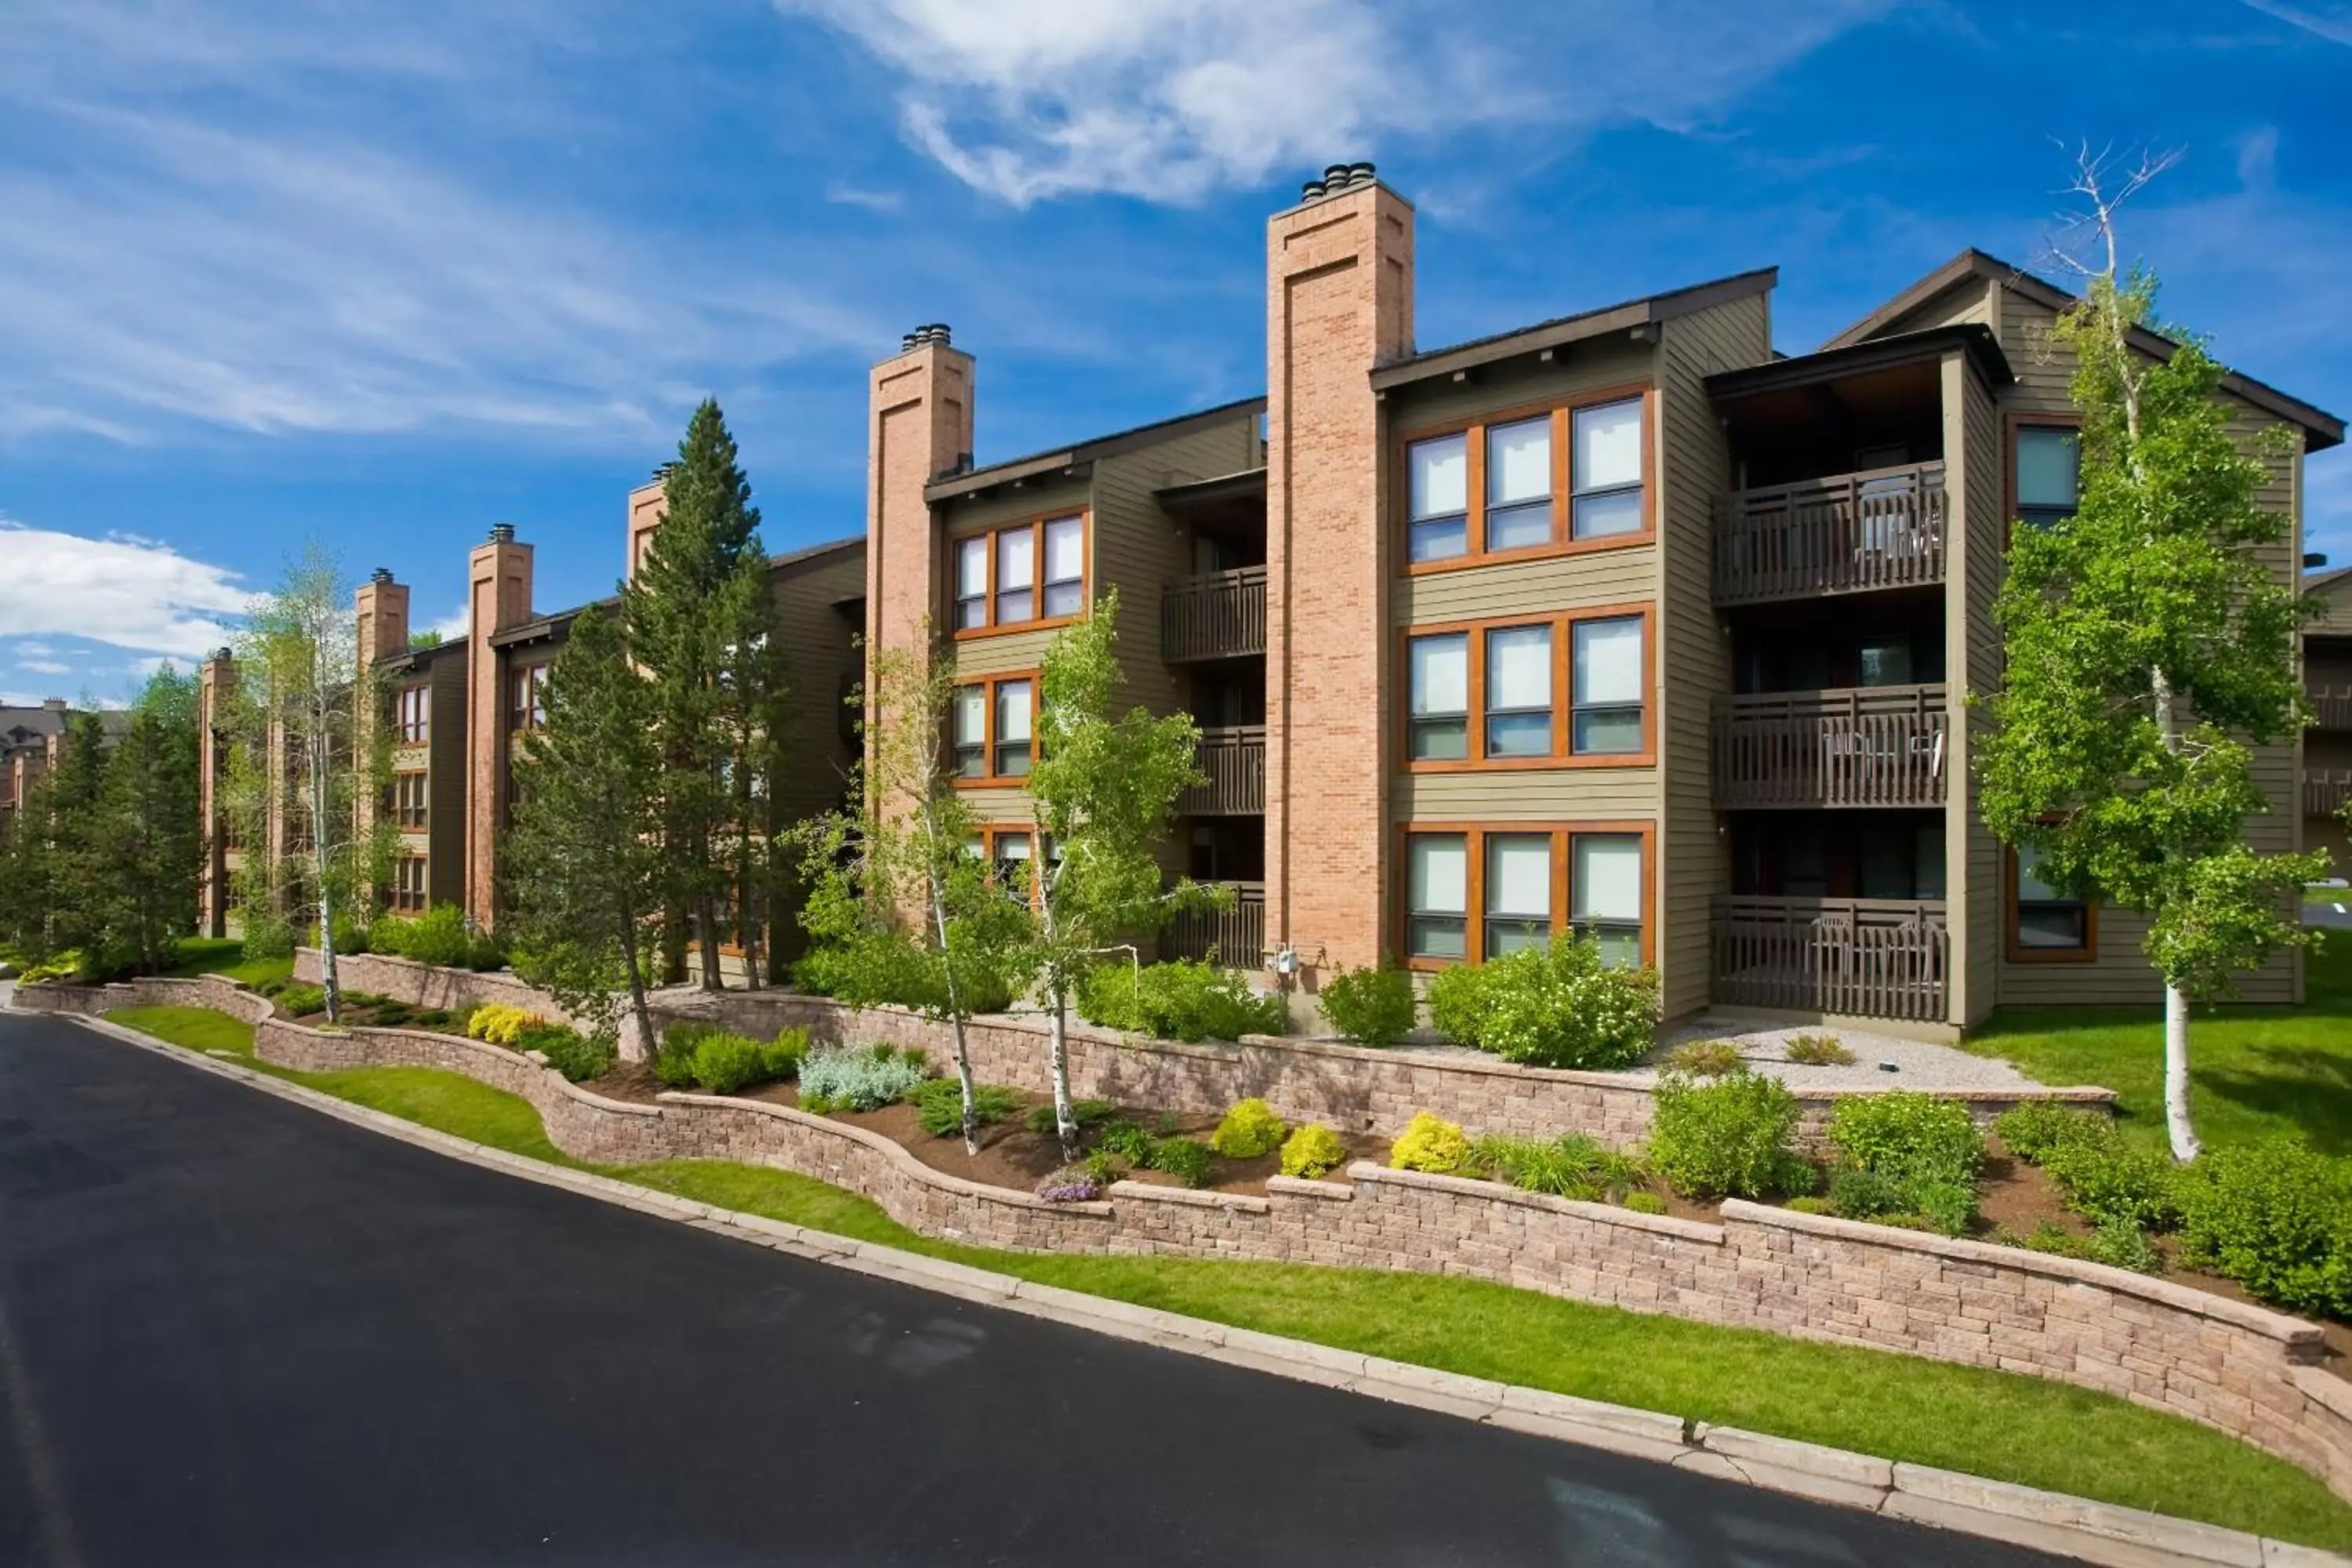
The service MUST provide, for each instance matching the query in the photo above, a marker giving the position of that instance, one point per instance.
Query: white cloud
(136, 596)
(2330, 22)
(42, 665)
(1171, 100)
(872, 201)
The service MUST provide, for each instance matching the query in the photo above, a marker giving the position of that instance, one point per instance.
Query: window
(992, 728)
(530, 697)
(1440, 698)
(1437, 894)
(1013, 850)
(1605, 495)
(2045, 923)
(1518, 692)
(1473, 893)
(408, 799)
(1530, 480)
(1606, 713)
(1439, 479)
(971, 582)
(408, 884)
(410, 725)
(2049, 473)
(1024, 574)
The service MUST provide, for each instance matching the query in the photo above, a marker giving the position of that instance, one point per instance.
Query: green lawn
(1992, 1424)
(225, 956)
(2253, 1071)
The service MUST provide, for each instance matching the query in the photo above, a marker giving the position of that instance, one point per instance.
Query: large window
(408, 799)
(527, 696)
(2049, 473)
(408, 884)
(411, 715)
(1563, 477)
(992, 729)
(1568, 690)
(1030, 573)
(2045, 923)
(1479, 892)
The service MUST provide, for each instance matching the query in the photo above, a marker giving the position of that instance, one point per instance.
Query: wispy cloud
(2332, 23)
(872, 201)
(139, 596)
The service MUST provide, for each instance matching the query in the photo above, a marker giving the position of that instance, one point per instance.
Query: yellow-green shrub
(501, 1023)
(1311, 1150)
(1430, 1144)
(1250, 1129)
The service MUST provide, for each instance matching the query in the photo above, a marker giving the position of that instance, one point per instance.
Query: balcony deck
(1235, 936)
(1873, 958)
(1849, 533)
(1218, 615)
(1234, 759)
(2325, 790)
(2333, 707)
(1854, 746)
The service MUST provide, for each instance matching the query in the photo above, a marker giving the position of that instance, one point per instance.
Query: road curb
(2055, 1522)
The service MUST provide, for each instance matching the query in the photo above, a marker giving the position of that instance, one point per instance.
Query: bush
(266, 936)
(1704, 1058)
(1432, 1145)
(567, 1050)
(1810, 1205)
(1645, 1203)
(725, 1062)
(1730, 1136)
(1086, 1113)
(1558, 1006)
(673, 1061)
(1070, 1186)
(296, 1001)
(1249, 1130)
(2102, 1178)
(499, 1023)
(1570, 1166)
(1312, 1151)
(886, 969)
(2031, 1128)
(1818, 1051)
(1178, 1001)
(436, 936)
(2277, 1217)
(350, 937)
(859, 1077)
(1125, 1139)
(1185, 1159)
(938, 1105)
(2116, 1245)
(1370, 1007)
(393, 1015)
(1919, 1155)
(1103, 1168)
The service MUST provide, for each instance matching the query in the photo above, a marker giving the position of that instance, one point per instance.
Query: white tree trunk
(329, 980)
(2177, 1125)
(1065, 1121)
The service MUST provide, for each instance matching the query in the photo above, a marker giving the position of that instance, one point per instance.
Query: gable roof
(2323, 428)
(1079, 453)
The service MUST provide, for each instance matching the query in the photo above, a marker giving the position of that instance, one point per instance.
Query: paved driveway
(234, 1331)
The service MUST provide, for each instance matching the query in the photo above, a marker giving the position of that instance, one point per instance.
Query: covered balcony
(1217, 614)
(1234, 936)
(2325, 790)
(1857, 746)
(1234, 756)
(1869, 958)
(1846, 533)
(2332, 705)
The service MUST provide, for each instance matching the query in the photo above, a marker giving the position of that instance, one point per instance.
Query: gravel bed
(1915, 1064)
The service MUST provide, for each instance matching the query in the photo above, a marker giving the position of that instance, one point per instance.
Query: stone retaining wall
(2245, 1370)
(1348, 1087)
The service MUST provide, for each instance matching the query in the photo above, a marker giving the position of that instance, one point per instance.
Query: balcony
(2324, 789)
(1234, 759)
(1234, 936)
(1849, 534)
(1870, 745)
(2332, 705)
(1869, 958)
(1220, 614)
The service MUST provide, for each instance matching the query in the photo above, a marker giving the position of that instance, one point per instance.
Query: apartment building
(1623, 620)
(458, 711)
(30, 738)
(2327, 745)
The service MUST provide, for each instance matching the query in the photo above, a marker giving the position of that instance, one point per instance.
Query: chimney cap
(502, 533)
(928, 332)
(54, 704)
(225, 652)
(381, 575)
(1338, 177)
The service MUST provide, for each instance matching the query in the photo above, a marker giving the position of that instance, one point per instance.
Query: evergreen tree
(51, 886)
(150, 856)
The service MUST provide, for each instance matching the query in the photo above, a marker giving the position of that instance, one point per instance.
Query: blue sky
(390, 273)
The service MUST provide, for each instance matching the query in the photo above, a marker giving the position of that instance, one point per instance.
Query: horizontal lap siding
(1529, 587)
(820, 649)
(1966, 302)
(972, 514)
(1586, 366)
(444, 783)
(1564, 794)
(1985, 532)
(976, 656)
(2335, 603)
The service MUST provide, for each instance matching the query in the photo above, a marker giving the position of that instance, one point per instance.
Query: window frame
(526, 703)
(403, 900)
(1561, 411)
(990, 778)
(1475, 834)
(1035, 525)
(1562, 625)
(2011, 885)
(2011, 423)
(408, 819)
(416, 729)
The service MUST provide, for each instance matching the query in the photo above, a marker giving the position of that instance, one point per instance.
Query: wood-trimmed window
(1011, 856)
(1549, 479)
(1568, 690)
(408, 884)
(527, 696)
(1022, 576)
(992, 730)
(2045, 925)
(411, 715)
(1473, 891)
(2046, 467)
(408, 799)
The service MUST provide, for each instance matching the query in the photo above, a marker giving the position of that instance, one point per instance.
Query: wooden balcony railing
(1869, 745)
(1236, 935)
(2334, 706)
(1234, 759)
(2324, 789)
(1221, 614)
(1872, 958)
(1882, 529)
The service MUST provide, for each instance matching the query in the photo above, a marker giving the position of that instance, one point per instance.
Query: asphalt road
(234, 1331)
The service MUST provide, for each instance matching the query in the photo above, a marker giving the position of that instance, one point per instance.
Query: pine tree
(150, 811)
(50, 887)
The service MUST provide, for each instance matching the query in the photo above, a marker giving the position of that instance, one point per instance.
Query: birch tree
(2149, 647)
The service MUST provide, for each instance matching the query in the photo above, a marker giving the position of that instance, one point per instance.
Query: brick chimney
(498, 598)
(918, 427)
(648, 504)
(383, 606)
(1338, 300)
(216, 678)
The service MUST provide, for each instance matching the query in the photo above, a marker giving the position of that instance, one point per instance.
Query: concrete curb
(2047, 1521)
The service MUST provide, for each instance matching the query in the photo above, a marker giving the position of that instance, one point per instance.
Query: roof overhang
(1075, 460)
(1973, 338)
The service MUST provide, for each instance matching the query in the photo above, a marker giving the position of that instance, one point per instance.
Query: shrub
(673, 1061)
(725, 1062)
(938, 1105)
(1704, 1058)
(2108, 1181)
(296, 1001)
(1125, 1139)
(1103, 1168)
(1249, 1130)
(1185, 1159)
(1069, 1187)
(2277, 1217)
(392, 1015)
(350, 937)
(1086, 1113)
(1570, 1166)
(432, 1018)
(1559, 1005)
(501, 1023)
(1730, 1136)
(1919, 1154)
(2121, 1245)
(1178, 1001)
(1818, 1051)
(2031, 1128)
(1866, 1195)
(886, 969)
(436, 937)
(1429, 1144)
(1645, 1203)
(1810, 1205)
(1312, 1151)
(266, 936)
(1370, 1007)
(567, 1050)
(853, 1077)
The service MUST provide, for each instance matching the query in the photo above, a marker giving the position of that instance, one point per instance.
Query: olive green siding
(444, 785)
(821, 654)
(1972, 869)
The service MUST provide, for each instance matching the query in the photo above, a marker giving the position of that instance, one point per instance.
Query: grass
(225, 955)
(1999, 1425)
(2253, 1071)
